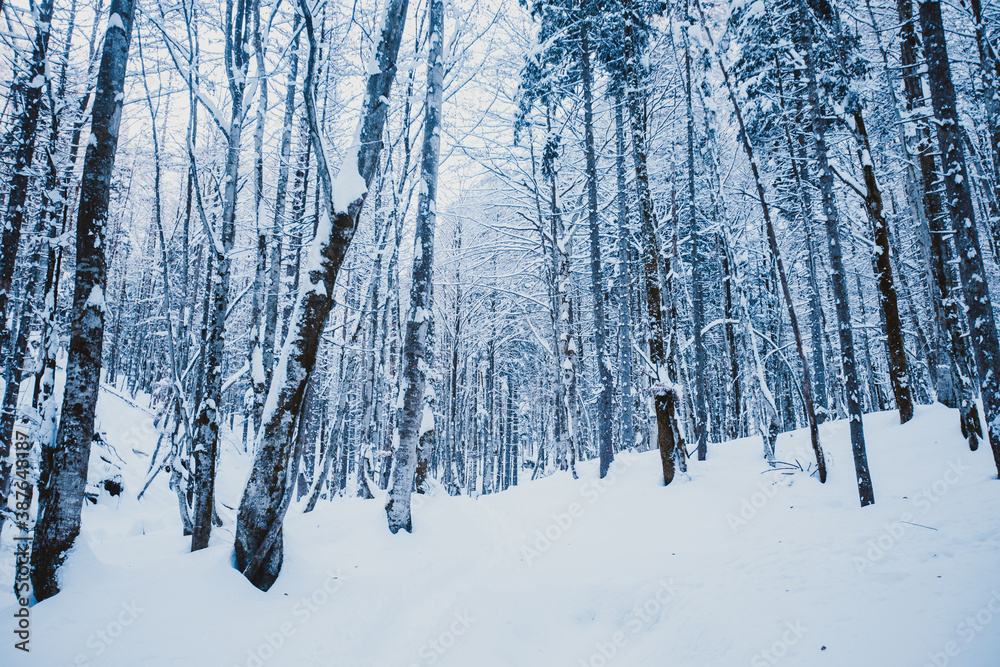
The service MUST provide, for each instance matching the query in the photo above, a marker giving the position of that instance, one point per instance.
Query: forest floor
(732, 564)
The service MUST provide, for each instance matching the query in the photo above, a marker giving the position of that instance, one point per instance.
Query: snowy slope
(733, 565)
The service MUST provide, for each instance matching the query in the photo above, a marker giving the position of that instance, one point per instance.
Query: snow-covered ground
(732, 565)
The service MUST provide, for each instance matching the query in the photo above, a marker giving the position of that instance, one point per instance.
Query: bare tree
(416, 418)
(268, 492)
(64, 468)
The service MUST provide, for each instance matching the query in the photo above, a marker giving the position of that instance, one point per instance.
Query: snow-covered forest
(324, 323)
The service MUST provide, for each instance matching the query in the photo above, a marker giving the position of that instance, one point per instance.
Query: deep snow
(731, 565)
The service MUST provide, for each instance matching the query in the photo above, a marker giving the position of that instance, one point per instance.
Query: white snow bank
(735, 565)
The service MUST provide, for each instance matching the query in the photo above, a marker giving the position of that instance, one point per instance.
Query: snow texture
(426, 421)
(731, 566)
(96, 298)
(115, 21)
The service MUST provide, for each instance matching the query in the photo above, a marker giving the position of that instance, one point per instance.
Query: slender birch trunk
(205, 441)
(255, 348)
(416, 418)
(281, 196)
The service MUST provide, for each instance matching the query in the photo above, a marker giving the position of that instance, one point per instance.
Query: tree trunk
(899, 374)
(697, 269)
(258, 530)
(255, 347)
(951, 349)
(205, 440)
(17, 204)
(959, 200)
(278, 228)
(734, 393)
(566, 347)
(65, 475)
(989, 64)
(596, 268)
(665, 394)
(775, 253)
(838, 274)
(416, 422)
(623, 284)
(800, 174)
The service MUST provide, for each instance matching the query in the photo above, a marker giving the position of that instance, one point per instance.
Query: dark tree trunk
(989, 64)
(258, 528)
(982, 326)
(64, 473)
(735, 400)
(33, 85)
(838, 274)
(665, 397)
(899, 374)
(951, 354)
(606, 382)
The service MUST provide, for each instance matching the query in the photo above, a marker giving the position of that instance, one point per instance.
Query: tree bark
(605, 446)
(65, 474)
(268, 478)
(417, 343)
(205, 440)
(278, 228)
(989, 64)
(624, 287)
(17, 202)
(950, 346)
(256, 338)
(838, 274)
(899, 374)
(665, 396)
(982, 326)
(697, 270)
